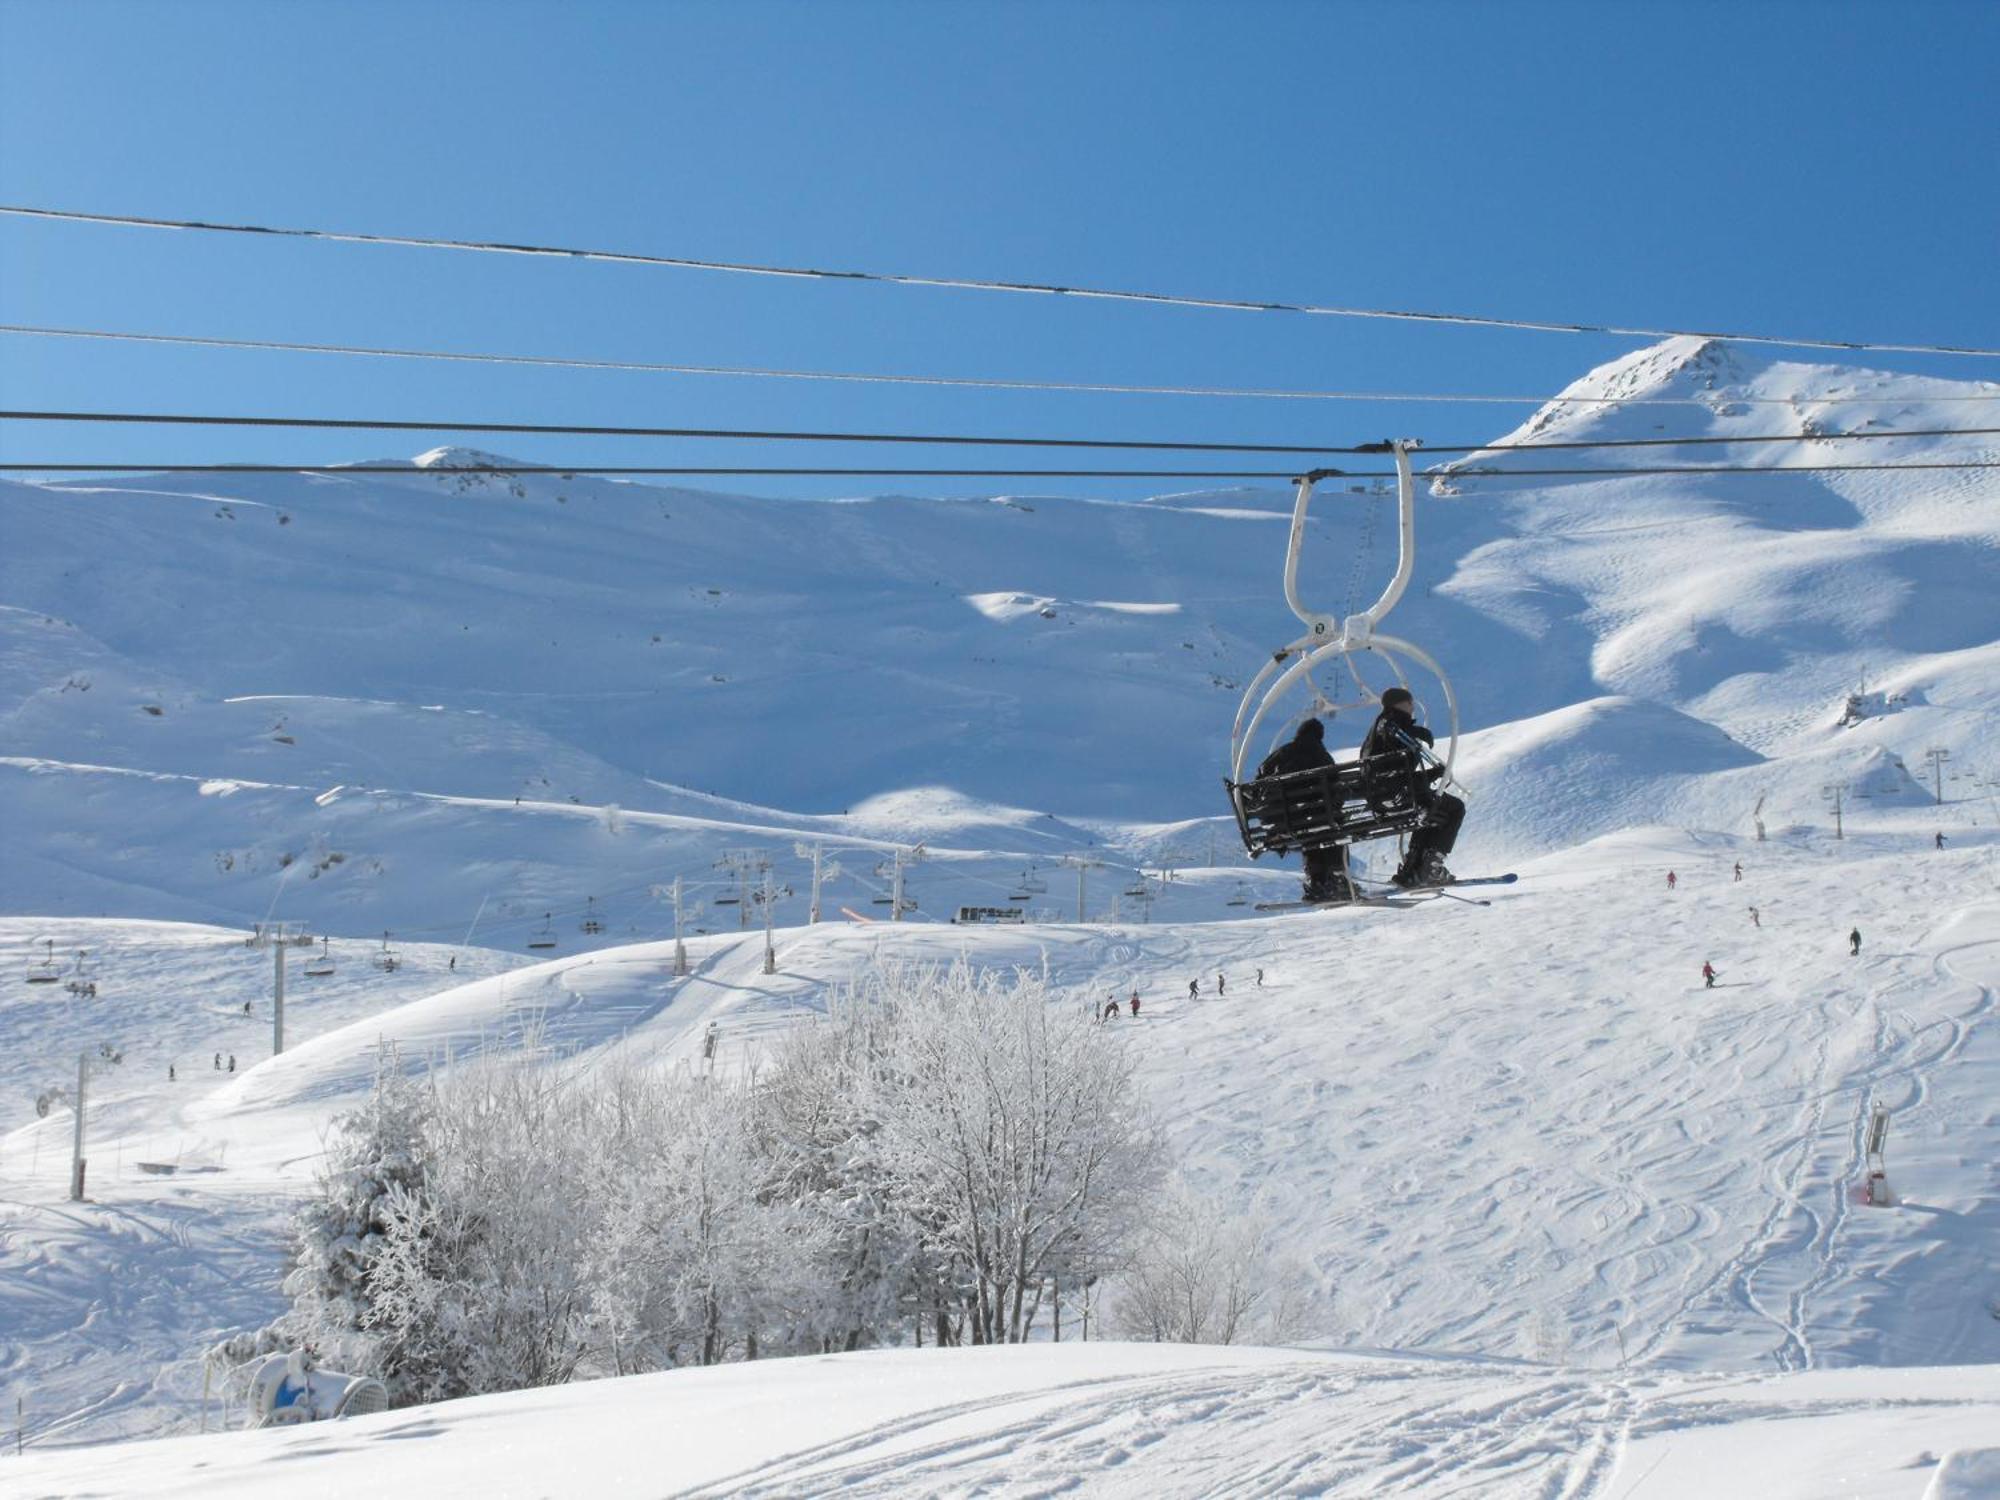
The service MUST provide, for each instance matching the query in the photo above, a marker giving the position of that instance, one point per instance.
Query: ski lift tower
(823, 871)
(1937, 755)
(673, 894)
(768, 898)
(1835, 792)
(278, 936)
(743, 864)
(902, 860)
(1878, 1191)
(1083, 864)
(76, 1161)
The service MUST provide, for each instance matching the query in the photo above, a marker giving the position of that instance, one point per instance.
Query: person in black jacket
(1326, 869)
(1394, 762)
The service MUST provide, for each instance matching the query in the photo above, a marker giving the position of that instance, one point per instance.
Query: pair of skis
(1398, 897)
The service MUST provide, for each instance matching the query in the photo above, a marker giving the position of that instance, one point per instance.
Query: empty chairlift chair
(48, 971)
(320, 965)
(546, 936)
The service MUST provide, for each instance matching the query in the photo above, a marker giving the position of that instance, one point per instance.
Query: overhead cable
(781, 435)
(986, 383)
(376, 471)
(975, 284)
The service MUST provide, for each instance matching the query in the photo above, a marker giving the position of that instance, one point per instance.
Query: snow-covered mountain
(189, 665)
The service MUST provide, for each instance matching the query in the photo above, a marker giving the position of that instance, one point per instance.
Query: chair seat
(1344, 803)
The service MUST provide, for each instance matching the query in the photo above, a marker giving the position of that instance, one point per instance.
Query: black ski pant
(1439, 831)
(1325, 866)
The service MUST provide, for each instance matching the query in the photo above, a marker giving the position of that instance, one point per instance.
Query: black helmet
(1313, 730)
(1397, 697)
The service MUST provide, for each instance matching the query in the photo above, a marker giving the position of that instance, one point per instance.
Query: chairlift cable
(920, 439)
(570, 471)
(977, 284)
(989, 383)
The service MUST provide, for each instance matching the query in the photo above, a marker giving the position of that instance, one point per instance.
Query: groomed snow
(1138, 1420)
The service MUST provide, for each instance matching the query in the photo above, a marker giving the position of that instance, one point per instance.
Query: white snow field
(1137, 1420)
(1574, 1223)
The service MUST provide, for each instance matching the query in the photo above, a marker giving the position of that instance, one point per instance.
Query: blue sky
(1825, 169)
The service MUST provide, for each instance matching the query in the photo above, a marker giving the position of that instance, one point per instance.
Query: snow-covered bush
(941, 1155)
(377, 1163)
(378, 1160)
(998, 1134)
(477, 1285)
(1200, 1276)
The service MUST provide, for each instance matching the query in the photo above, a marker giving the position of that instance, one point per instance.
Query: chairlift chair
(1348, 802)
(590, 924)
(546, 938)
(1033, 883)
(387, 959)
(82, 983)
(48, 971)
(320, 965)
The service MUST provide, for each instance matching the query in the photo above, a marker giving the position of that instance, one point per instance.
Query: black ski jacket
(1387, 754)
(1296, 754)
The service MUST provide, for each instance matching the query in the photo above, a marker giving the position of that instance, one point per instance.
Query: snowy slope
(1605, 1165)
(1516, 1132)
(1116, 1420)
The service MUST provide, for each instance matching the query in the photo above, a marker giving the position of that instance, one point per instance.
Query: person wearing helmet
(1326, 869)
(1395, 753)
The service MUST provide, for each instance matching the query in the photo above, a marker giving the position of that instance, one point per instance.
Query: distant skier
(1393, 752)
(1326, 869)
(452, 967)
(1854, 943)
(1135, 1005)
(232, 1062)
(1755, 919)
(218, 1062)
(1111, 1009)
(1221, 985)
(1707, 975)
(1672, 880)
(1260, 979)
(246, 1007)
(1937, 841)
(1739, 871)
(1194, 989)
(170, 1072)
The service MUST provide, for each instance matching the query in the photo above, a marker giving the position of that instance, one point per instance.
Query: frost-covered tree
(1200, 1275)
(477, 1279)
(1011, 1134)
(691, 1256)
(379, 1156)
(940, 1154)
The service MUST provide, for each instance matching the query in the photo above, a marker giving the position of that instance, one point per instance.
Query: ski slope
(1609, 1168)
(1117, 1420)
(1570, 1219)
